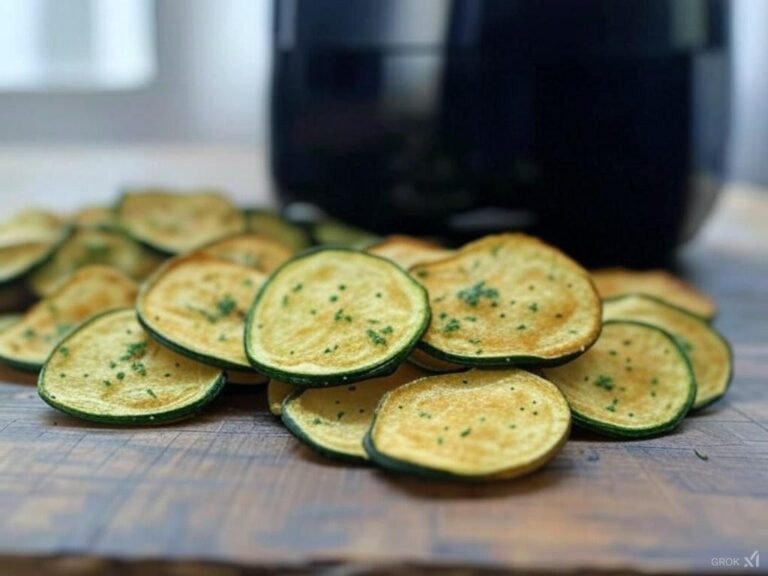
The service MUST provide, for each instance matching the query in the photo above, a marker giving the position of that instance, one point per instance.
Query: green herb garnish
(472, 296)
(339, 316)
(604, 382)
(376, 338)
(451, 326)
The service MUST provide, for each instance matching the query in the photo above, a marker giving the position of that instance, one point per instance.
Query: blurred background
(86, 71)
(202, 73)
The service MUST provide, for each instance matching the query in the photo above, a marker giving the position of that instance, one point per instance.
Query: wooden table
(232, 492)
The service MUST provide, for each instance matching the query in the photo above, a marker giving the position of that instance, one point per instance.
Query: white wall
(213, 69)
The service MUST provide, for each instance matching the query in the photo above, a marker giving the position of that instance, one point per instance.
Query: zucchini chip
(479, 425)
(509, 299)
(334, 421)
(94, 245)
(110, 371)
(635, 382)
(98, 216)
(251, 250)
(88, 292)
(245, 378)
(31, 226)
(18, 260)
(432, 364)
(173, 223)
(333, 316)
(611, 282)
(196, 305)
(275, 226)
(338, 233)
(27, 241)
(407, 251)
(8, 320)
(709, 353)
(277, 392)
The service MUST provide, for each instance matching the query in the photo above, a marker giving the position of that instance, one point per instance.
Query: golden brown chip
(509, 299)
(612, 282)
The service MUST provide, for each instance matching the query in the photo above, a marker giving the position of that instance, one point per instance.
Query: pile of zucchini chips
(466, 364)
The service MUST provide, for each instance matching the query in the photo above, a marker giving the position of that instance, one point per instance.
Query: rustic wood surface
(233, 492)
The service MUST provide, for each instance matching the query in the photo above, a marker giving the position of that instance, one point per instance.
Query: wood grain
(232, 492)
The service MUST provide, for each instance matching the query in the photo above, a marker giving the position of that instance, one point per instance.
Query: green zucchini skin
(200, 357)
(414, 470)
(22, 277)
(620, 432)
(150, 420)
(194, 352)
(120, 223)
(728, 383)
(306, 439)
(560, 424)
(326, 381)
(164, 418)
(312, 380)
(21, 366)
(501, 361)
(705, 320)
(715, 399)
(502, 344)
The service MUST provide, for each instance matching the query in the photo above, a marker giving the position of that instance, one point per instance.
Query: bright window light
(76, 44)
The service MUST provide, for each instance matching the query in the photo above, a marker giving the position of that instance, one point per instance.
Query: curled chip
(407, 251)
(94, 245)
(251, 250)
(88, 292)
(277, 392)
(333, 316)
(111, 371)
(612, 282)
(196, 305)
(275, 226)
(509, 299)
(635, 382)
(173, 223)
(709, 353)
(27, 241)
(334, 421)
(432, 364)
(479, 425)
